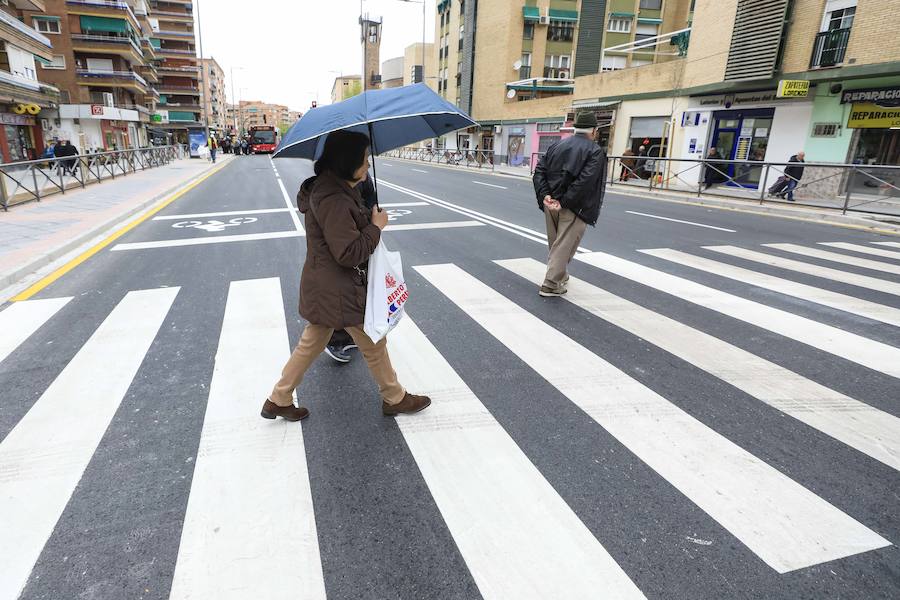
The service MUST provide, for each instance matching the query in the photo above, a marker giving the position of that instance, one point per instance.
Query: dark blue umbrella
(392, 118)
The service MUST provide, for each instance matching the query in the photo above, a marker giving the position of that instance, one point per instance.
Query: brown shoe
(270, 410)
(547, 292)
(410, 404)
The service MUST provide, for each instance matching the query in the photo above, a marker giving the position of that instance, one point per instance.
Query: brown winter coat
(339, 237)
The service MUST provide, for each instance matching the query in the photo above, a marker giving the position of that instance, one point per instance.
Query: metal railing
(474, 159)
(830, 47)
(845, 187)
(30, 180)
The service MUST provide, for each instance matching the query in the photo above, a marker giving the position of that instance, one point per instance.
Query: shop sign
(872, 116)
(741, 99)
(156, 118)
(14, 119)
(97, 109)
(793, 88)
(516, 131)
(889, 96)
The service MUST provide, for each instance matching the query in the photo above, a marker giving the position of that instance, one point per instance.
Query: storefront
(875, 116)
(92, 127)
(749, 126)
(21, 137)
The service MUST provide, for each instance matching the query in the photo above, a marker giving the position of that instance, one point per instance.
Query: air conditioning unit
(108, 99)
(545, 19)
(498, 129)
(563, 75)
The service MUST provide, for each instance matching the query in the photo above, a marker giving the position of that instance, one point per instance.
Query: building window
(619, 25)
(548, 127)
(651, 4)
(525, 69)
(58, 62)
(839, 19)
(556, 66)
(612, 63)
(545, 141)
(561, 31)
(646, 31)
(826, 129)
(528, 31)
(46, 25)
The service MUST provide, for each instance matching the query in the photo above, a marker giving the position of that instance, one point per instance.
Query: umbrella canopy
(392, 118)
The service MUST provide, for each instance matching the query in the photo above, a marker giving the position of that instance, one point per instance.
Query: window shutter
(758, 29)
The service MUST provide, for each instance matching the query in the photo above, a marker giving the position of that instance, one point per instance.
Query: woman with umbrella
(341, 235)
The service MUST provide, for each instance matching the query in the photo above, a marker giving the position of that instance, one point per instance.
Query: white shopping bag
(386, 294)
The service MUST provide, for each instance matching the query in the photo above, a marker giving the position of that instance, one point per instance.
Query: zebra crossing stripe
(517, 535)
(891, 244)
(863, 249)
(850, 346)
(863, 281)
(250, 505)
(21, 319)
(857, 306)
(860, 426)
(44, 456)
(783, 523)
(845, 259)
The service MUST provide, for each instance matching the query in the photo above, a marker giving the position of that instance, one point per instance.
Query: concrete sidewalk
(34, 235)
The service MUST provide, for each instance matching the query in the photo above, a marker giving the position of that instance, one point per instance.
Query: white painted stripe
(44, 456)
(219, 239)
(21, 319)
(291, 208)
(385, 164)
(420, 170)
(250, 504)
(442, 225)
(851, 304)
(518, 537)
(845, 259)
(227, 213)
(634, 212)
(891, 244)
(860, 426)
(864, 281)
(863, 249)
(783, 523)
(846, 345)
(401, 204)
(531, 234)
(490, 185)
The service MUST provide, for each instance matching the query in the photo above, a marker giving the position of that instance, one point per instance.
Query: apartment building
(255, 113)
(345, 86)
(412, 65)
(102, 64)
(213, 95)
(179, 110)
(25, 100)
(719, 86)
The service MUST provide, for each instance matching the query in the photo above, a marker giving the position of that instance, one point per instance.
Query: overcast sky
(286, 48)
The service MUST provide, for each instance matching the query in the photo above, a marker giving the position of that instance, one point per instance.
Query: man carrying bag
(569, 183)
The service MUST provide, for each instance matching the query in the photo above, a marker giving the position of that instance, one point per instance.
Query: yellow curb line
(48, 279)
(760, 213)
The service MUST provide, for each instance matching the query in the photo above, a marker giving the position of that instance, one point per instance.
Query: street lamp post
(234, 100)
(424, 29)
(203, 76)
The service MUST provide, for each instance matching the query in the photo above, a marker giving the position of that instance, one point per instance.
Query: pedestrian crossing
(518, 533)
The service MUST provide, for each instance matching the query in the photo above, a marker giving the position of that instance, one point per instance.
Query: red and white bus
(262, 139)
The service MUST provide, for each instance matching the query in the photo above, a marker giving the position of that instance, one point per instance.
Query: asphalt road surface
(711, 412)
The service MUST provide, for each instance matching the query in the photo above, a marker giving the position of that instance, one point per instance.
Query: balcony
(126, 79)
(167, 88)
(23, 89)
(829, 48)
(108, 44)
(180, 106)
(176, 52)
(105, 8)
(169, 34)
(24, 36)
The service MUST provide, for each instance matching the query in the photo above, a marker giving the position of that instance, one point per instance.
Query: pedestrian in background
(627, 165)
(713, 171)
(569, 182)
(341, 235)
(794, 172)
(213, 147)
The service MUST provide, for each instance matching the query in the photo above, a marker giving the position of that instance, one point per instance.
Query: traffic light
(313, 104)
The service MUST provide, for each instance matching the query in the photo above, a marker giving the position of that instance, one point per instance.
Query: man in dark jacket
(793, 173)
(569, 182)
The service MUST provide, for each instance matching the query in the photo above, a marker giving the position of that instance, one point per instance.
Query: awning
(104, 24)
(621, 15)
(649, 21)
(45, 18)
(563, 15)
(43, 60)
(531, 13)
(155, 43)
(593, 104)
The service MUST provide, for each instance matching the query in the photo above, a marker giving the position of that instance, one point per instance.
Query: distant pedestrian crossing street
(518, 527)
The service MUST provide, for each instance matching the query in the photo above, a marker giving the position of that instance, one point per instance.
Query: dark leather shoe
(410, 404)
(270, 410)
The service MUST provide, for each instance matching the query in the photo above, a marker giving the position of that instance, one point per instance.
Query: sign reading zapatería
(881, 96)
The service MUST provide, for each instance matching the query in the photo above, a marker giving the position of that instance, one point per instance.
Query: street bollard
(849, 188)
(762, 187)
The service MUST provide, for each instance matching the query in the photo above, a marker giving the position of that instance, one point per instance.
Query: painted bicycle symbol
(214, 225)
(396, 213)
